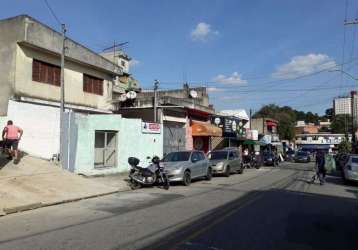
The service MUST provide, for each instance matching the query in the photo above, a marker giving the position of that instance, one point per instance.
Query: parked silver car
(225, 162)
(350, 168)
(186, 165)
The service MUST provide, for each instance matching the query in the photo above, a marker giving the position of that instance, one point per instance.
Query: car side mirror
(194, 160)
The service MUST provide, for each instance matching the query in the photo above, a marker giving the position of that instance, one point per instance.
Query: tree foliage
(341, 124)
(345, 147)
(287, 118)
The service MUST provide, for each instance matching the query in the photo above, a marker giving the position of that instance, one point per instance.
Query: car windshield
(218, 155)
(177, 156)
(301, 153)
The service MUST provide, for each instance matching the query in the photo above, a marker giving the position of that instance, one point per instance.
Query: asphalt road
(270, 208)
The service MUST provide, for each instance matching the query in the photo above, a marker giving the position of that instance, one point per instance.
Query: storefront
(233, 131)
(202, 133)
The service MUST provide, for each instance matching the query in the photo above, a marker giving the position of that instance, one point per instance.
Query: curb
(32, 206)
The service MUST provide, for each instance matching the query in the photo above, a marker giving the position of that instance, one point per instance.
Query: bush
(345, 147)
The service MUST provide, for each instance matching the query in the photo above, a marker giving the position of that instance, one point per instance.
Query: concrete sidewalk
(35, 183)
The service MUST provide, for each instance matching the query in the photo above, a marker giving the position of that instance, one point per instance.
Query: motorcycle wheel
(134, 185)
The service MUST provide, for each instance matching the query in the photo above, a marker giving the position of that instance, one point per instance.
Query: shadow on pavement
(273, 219)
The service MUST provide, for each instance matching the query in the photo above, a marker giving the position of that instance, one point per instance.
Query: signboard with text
(151, 128)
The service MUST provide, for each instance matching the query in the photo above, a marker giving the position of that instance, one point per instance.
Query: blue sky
(249, 53)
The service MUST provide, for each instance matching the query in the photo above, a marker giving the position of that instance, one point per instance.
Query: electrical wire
(53, 12)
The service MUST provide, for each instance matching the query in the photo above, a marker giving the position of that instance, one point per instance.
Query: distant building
(354, 100)
(267, 129)
(342, 105)
(309, 128)
(319, 141)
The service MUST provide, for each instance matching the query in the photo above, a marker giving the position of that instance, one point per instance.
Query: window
(201, 156)
(195, 157)
(218, 155)
(46, 72)
(354, 160)
(92, 84)
(177, 156)
(123, 63)
(231, 155)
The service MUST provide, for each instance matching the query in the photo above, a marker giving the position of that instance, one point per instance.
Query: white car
(350, 168)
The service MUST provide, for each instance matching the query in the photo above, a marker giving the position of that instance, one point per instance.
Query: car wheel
(227, 171)
(186, 178)
(209, 174)
(241, 170)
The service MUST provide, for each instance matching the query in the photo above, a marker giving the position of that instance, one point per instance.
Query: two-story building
(30, 81)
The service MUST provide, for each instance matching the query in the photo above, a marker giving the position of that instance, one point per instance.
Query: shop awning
(252, 142)
(205, 129)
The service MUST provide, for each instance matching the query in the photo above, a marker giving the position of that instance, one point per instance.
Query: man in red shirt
(11, 134)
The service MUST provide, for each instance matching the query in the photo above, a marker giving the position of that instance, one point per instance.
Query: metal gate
(105, 149)
(174, 137)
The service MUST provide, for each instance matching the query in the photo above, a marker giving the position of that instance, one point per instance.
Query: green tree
(285, 116)
(345, 147)
(341, 124)
(329, 113)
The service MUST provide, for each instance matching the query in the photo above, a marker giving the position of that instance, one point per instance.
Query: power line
(272, 82)
(53, 13)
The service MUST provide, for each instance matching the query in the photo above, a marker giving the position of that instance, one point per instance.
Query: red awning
(271, 123)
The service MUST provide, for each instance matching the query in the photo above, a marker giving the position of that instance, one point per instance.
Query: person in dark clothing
(320, 167)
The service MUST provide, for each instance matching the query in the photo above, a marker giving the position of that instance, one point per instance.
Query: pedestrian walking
(12, 134)
(320, 168)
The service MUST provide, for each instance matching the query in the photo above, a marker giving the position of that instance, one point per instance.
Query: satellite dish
(193, 94)
(122, 97)
(131, 95)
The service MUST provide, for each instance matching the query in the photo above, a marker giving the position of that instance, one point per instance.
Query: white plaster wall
(41, 127)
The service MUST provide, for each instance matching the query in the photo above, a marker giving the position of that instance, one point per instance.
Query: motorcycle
(252, 161)
(153, 174)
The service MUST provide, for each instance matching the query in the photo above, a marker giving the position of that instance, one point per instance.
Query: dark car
(290, 155)
(269, 159)
(302, 156)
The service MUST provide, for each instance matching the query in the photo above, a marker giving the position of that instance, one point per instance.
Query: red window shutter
(35, 70)
(50, 75)
(57, 76)
(100, 87)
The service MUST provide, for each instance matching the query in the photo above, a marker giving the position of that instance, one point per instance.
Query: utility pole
(156, 85)
(62, 105)
(354, 139)
(250, 118)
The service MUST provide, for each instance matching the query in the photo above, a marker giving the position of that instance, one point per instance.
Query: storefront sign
(252, 135)
(151, 128)
(232, 127)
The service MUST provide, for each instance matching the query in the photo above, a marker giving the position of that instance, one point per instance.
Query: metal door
(105, 149)
(174, 137)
